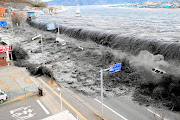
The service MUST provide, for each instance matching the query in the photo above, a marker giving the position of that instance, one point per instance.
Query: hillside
(22, 3)
(93, 2)
(17, 1)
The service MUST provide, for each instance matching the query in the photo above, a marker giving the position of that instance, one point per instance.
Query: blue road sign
(51, 26)
(3, 24)
(31, 14)
(115, 68)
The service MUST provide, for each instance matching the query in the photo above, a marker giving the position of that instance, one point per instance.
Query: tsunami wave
(133, 45)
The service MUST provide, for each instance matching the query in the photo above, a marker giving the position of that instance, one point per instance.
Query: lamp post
(42, 50)
(60, 97)
(41, 47)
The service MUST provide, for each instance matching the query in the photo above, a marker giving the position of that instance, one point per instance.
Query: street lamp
(36, 37)
(60, 97)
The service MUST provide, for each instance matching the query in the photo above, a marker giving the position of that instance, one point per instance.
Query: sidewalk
(47, 99)
(12, 78)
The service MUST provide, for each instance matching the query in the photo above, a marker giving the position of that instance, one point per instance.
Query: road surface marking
(47, 112)
(112, 110)
(22, 113)
(72, 108)
(156, 114)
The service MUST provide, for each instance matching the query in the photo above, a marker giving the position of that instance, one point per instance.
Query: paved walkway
(47, 99)
(12, 78)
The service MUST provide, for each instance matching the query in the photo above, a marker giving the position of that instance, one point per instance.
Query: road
(123, 108)
(118, 108)
(71, 103)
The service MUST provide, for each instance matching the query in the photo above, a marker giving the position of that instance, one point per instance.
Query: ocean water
(156, 23)
(156, 30)
(168, 18)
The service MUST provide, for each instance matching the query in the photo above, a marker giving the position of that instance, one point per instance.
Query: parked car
(3, 96)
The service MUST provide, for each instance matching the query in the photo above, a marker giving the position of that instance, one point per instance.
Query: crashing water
(127, 29)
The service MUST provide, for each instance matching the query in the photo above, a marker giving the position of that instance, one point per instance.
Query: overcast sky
(46, 0)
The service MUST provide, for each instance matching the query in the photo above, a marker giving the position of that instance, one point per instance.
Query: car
(3, 96)
(159, 71)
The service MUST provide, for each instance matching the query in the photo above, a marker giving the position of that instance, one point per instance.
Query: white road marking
(22, 113)
(112, 110)
(47, 112)
(156, 114)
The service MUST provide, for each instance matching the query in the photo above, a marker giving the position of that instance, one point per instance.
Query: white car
(3, 96)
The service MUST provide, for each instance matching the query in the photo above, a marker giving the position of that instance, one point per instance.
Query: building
(5, 54)
(3, 10)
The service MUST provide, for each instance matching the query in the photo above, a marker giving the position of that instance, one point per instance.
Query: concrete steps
(65, 115)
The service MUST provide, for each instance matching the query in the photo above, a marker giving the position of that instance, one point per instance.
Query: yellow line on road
(72, 108)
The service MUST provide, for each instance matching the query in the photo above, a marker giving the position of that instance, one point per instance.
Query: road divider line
(47, 112)
(70, 106)
(112, 110)
(156, 114)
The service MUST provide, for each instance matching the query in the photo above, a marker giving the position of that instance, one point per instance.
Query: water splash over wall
(170, 50)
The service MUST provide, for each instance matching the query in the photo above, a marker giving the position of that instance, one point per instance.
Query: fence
(22, 93)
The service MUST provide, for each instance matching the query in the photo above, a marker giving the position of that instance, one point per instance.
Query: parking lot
(26, 109)
(16, 83)
(23, 101)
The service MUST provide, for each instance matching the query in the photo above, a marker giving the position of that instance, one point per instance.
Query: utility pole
(12, 31)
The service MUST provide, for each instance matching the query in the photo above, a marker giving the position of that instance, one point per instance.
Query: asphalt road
(118, 108)
(23, 109)
(123, 108)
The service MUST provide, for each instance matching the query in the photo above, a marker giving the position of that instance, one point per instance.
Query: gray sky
(46, 0)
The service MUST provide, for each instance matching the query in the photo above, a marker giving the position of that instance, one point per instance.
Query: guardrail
(22, 93)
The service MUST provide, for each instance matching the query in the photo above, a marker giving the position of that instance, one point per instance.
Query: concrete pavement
(19, 110)
(12, 78)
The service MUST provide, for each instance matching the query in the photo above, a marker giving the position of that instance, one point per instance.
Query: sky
(46, 0)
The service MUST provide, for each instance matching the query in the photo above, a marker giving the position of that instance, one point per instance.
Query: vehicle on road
(3, 96)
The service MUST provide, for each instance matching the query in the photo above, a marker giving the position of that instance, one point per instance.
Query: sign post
(101, 93)
(112, 69)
